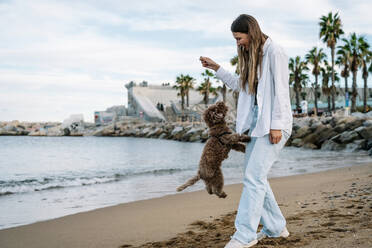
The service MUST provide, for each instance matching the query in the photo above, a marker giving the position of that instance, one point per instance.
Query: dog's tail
(192, 181)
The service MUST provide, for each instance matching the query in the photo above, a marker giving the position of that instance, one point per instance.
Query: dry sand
(326, 209)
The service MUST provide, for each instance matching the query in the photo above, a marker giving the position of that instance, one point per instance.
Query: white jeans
(257, 203)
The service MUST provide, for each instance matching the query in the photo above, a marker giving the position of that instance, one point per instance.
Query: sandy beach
(325, 209)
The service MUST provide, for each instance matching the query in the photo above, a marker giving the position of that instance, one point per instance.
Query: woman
(264, 110)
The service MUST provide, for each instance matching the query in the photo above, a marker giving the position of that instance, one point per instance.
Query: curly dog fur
(216, 149)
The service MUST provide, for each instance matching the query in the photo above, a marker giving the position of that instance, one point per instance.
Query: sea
(43, 178)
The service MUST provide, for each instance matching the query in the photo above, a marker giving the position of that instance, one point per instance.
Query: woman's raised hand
(207, 62)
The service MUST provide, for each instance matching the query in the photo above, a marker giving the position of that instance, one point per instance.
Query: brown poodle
(216, 149)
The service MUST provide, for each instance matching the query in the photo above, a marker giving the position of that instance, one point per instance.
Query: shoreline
(156, 219)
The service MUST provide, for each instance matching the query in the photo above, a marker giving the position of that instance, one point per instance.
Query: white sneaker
(234, 243)
(283, 234)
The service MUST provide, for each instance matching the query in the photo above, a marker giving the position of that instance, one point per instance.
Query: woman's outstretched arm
(232, 81)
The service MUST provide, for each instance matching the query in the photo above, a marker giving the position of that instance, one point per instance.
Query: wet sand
(325, 209)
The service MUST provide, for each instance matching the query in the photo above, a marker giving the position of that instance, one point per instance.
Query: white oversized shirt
(274, 108)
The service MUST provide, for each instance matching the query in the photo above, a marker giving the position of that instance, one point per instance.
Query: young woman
(264, 111)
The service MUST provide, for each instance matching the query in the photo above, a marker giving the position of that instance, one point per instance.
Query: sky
(65, 57)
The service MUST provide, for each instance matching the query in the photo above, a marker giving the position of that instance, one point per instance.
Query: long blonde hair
(251, 59)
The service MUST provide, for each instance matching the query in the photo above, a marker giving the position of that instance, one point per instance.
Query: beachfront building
(161, 103)
(114, 113)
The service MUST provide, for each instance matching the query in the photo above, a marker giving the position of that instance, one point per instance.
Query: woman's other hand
(275, 136)
(207, 62)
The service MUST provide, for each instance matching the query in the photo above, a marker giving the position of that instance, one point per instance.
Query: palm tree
(330, 30)
(206, 87)
(188, 84)
(297, 76)
(356, 44)
(366, 56)
(234, 62)
(344, 59)
(327, 90)
(314, 57)
(180, 85)
(326, 74)
(221, 89)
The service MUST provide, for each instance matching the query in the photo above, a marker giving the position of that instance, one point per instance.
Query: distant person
(264, 108)
(304, 106)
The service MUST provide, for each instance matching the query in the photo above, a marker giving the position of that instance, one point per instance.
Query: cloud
(61, 57)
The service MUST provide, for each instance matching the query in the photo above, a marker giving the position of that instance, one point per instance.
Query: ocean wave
(8, 187)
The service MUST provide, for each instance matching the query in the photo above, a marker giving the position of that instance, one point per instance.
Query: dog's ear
(207, 116)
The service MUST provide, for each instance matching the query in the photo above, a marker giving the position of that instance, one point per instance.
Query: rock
(155, 133)
(6, 133)
(300, 133)
(368, 122)
(340, 128)
(146, 131)
(297, 142)
(204, 135)
(348, 136)
(315, 125)
(10, 128)
(353, 124)
(359, 115)
(177, 133)
(55, 131)
(310, 146)
(107, 131)
(195, 137)
(162, 136)
(365, 132)
(176, 130)
(330, 145)
(295, 127)
(356, 145)
(369, 144)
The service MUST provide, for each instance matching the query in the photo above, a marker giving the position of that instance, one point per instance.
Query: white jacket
(274, 107)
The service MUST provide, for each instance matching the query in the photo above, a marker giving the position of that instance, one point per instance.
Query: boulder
(297, 142)
(303, 131)
(310, 146)
(340, 128)
(353, 124)
(356, 145)
(365, 132)
(367, 123)
(154, 133)
(348, 137)
(162, 136)
(330, 145)
(195, 137)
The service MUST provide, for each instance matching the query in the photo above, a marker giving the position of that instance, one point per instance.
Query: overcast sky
(68, 57)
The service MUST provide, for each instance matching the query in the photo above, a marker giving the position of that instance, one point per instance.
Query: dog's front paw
(240, 147)
(244, 138)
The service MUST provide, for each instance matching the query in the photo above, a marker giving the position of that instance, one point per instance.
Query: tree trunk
(354, 92)
(187, 98)
(329, 103)
(297, 97)
(365, 95)
(333, 78)
(316, 95)
(346, 87)
(183, 101)
(224, 93)
(207, 92)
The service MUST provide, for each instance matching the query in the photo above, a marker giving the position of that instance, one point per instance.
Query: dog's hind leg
(218, 185)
